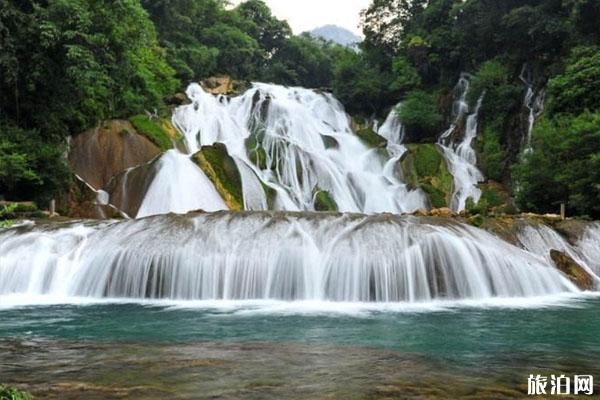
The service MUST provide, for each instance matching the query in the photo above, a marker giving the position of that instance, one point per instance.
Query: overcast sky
(305, 15)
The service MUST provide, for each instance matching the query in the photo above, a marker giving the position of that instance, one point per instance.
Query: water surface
(295, 350)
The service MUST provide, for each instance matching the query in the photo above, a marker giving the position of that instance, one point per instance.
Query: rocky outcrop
(100, 153)
(324, 201)
(83, 201)
(369, 137)
(223, 84)
(576, 273)
(128, 188)
(223, 172)
(423, 166)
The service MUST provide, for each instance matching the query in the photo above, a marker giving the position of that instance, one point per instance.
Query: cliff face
(100, 153)
(99, 156)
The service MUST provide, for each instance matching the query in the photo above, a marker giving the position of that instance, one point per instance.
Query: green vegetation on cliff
(153, 130)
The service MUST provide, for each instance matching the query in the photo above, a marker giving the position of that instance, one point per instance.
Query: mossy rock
(572, 270)
(256, 153)
(372, 139)
(494, 199)
(324, 201)
(330, 142)
(160, 132)
(423, 166)
(223, 173)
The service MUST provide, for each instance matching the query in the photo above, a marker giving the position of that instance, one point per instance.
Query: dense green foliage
(504, 45)
(419, 113)
(204, 37)
(7, 393)
(30, 164)
(565, 166)
(65, 65)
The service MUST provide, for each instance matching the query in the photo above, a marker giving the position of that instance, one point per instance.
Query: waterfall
(460, 156)
(284, 256)
(589, 247)
(307, 145)
(393, 131)
(540, 239)
(179, 186)
(534, 103)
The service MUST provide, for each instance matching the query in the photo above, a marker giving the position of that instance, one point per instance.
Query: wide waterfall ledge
(272, 256)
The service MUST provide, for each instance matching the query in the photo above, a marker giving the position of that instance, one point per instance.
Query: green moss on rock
(330, 142)
(371, 138)
(256, 153)
(161, 133)
(223, 173)
(324, 201)
(423, 166)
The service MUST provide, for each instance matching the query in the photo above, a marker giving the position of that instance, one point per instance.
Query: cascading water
(393, 131)
(460, 156)
(540, 239)
(284, 256)
(179, 186)
(307, 144)
(534, 103)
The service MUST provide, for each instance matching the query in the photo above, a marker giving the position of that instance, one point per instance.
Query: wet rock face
(101, 153)
(572, 269)
(81, 201)
(128, 188)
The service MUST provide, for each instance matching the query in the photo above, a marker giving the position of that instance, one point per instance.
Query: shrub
(420, 114)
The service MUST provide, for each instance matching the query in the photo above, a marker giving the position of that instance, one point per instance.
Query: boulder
(443, 212)
(371, 138)
(223, 84)
(223, 172)
(423, 166)
(575, 272)
(100, 153)
(323, 200)
(178, 99)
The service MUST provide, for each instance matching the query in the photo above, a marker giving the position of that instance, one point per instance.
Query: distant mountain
(336, 34)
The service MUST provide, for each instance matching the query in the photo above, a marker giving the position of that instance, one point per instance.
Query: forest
(67, 65)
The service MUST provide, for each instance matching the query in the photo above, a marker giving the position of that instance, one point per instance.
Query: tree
(564, 166)
(420, 115)
(578, 88)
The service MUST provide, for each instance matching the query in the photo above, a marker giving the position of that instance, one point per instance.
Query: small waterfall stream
(460, 155)
(534, 103)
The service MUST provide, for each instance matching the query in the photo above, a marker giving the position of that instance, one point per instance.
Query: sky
(305, 15)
